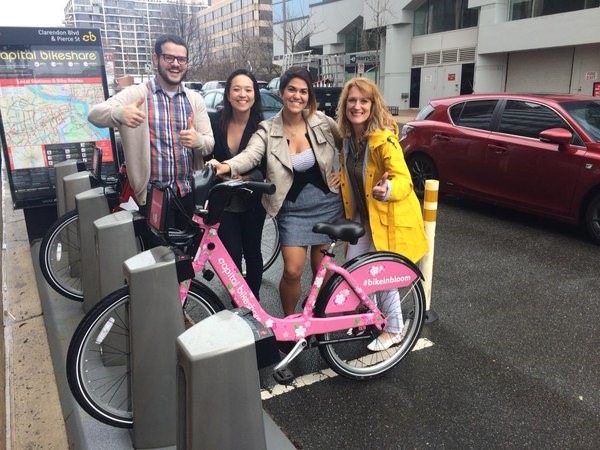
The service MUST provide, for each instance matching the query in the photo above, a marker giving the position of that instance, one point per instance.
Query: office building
(130, 27)
(420, 49)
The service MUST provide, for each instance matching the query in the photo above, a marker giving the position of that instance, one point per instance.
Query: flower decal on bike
(318, 282)
(341, 297)
(300, 331)
(269, 323)
(374, 270)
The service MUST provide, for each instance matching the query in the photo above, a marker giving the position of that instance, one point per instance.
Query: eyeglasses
(170, 58)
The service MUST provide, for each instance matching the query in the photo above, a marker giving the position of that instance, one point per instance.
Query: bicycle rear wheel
(270, 242)
(98, 368)
(60, 260)
(347, 352)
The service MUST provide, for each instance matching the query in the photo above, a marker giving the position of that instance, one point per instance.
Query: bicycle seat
(341, 229)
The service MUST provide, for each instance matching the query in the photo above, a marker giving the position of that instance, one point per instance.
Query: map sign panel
(49, 79)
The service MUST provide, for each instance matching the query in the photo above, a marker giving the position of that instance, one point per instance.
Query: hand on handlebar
(220, 168)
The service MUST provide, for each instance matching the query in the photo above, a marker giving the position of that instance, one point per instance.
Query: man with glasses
(164, 127)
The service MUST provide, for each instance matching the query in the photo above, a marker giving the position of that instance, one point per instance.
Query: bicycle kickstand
(280, 372)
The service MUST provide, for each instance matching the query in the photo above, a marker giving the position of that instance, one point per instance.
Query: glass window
(528, 119)
(271, 101)
(587, 115)
(523, 9)
(474, 114)
(435, 16)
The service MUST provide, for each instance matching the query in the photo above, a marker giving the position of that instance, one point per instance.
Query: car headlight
(405, 130)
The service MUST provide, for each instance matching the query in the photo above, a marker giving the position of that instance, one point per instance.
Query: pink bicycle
(340, 316)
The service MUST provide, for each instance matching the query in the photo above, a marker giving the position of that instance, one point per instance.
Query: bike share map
(49, 79)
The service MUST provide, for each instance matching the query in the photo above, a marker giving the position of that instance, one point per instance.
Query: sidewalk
(33, 414)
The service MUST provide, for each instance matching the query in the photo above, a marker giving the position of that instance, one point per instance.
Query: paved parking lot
(515, 355)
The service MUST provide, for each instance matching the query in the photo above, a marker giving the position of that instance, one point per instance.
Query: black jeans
(241, 233)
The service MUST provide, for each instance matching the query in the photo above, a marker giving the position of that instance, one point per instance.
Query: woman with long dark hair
(241, 231)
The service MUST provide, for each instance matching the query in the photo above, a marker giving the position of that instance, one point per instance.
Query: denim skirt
(296, 219)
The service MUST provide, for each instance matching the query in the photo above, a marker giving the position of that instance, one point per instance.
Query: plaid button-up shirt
(170, 161)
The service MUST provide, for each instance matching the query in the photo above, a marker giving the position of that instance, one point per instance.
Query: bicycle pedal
(283, 376)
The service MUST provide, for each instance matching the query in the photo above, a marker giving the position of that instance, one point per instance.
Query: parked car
(214, 102)
(195, 85)
(536, 153)
(273, 85)
(212, 84)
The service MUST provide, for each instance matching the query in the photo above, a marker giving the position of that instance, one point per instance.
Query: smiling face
(295, 95)
(170, 74)
(358, 110)
(241, 93)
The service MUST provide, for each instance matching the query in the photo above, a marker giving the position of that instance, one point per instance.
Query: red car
(535, 153)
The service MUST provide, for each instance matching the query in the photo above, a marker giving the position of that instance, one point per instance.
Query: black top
(221, 151)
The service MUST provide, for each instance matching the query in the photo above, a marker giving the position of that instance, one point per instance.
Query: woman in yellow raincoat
(377, 188)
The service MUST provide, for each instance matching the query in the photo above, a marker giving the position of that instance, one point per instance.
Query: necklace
(292, 132)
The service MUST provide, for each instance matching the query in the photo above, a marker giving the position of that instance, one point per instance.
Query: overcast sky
(34, 13)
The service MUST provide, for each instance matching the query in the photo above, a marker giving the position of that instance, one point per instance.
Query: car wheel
(592, 218)
(421, 168)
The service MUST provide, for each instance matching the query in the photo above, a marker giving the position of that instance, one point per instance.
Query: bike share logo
(89, 37)
(393, 279)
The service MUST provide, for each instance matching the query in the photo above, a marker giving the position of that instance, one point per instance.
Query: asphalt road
(514, 359)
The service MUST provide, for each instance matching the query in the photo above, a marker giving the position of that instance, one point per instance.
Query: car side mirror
(559, 136)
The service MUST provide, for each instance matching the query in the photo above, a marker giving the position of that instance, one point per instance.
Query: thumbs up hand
(133, 117)
(380, 189)
(188, 136)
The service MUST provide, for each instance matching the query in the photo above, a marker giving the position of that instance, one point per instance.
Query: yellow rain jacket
(396, 223)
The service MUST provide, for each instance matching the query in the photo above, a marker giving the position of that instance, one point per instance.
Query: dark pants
(241, 233)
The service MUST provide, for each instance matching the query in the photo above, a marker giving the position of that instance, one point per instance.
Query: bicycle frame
(295, 326)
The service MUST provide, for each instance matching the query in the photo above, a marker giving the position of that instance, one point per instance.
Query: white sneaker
(383, 342)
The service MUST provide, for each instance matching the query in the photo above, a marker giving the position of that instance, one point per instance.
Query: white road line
(311, 378)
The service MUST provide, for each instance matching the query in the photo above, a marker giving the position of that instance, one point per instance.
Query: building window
(435, 16)
(525, 9)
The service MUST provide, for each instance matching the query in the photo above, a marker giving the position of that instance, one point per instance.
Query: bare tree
(295, 34)
(380, 9)
(253, 52)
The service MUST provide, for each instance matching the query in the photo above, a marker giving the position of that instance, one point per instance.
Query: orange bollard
(430, 202)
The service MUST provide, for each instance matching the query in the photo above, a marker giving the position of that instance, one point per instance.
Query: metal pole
(426, 263)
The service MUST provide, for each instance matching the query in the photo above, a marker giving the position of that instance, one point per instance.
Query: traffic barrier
(430, 202)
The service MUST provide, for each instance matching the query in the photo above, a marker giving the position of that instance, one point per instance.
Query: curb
(33, 414)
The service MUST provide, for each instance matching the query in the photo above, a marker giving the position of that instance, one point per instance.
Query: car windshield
(271, 102)
(587, 115)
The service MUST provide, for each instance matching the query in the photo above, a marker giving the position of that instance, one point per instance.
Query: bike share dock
(39, 325)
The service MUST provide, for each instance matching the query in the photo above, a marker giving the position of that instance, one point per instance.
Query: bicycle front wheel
(394, 283)
(269, 244)
(60, 260)
(98, 366)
